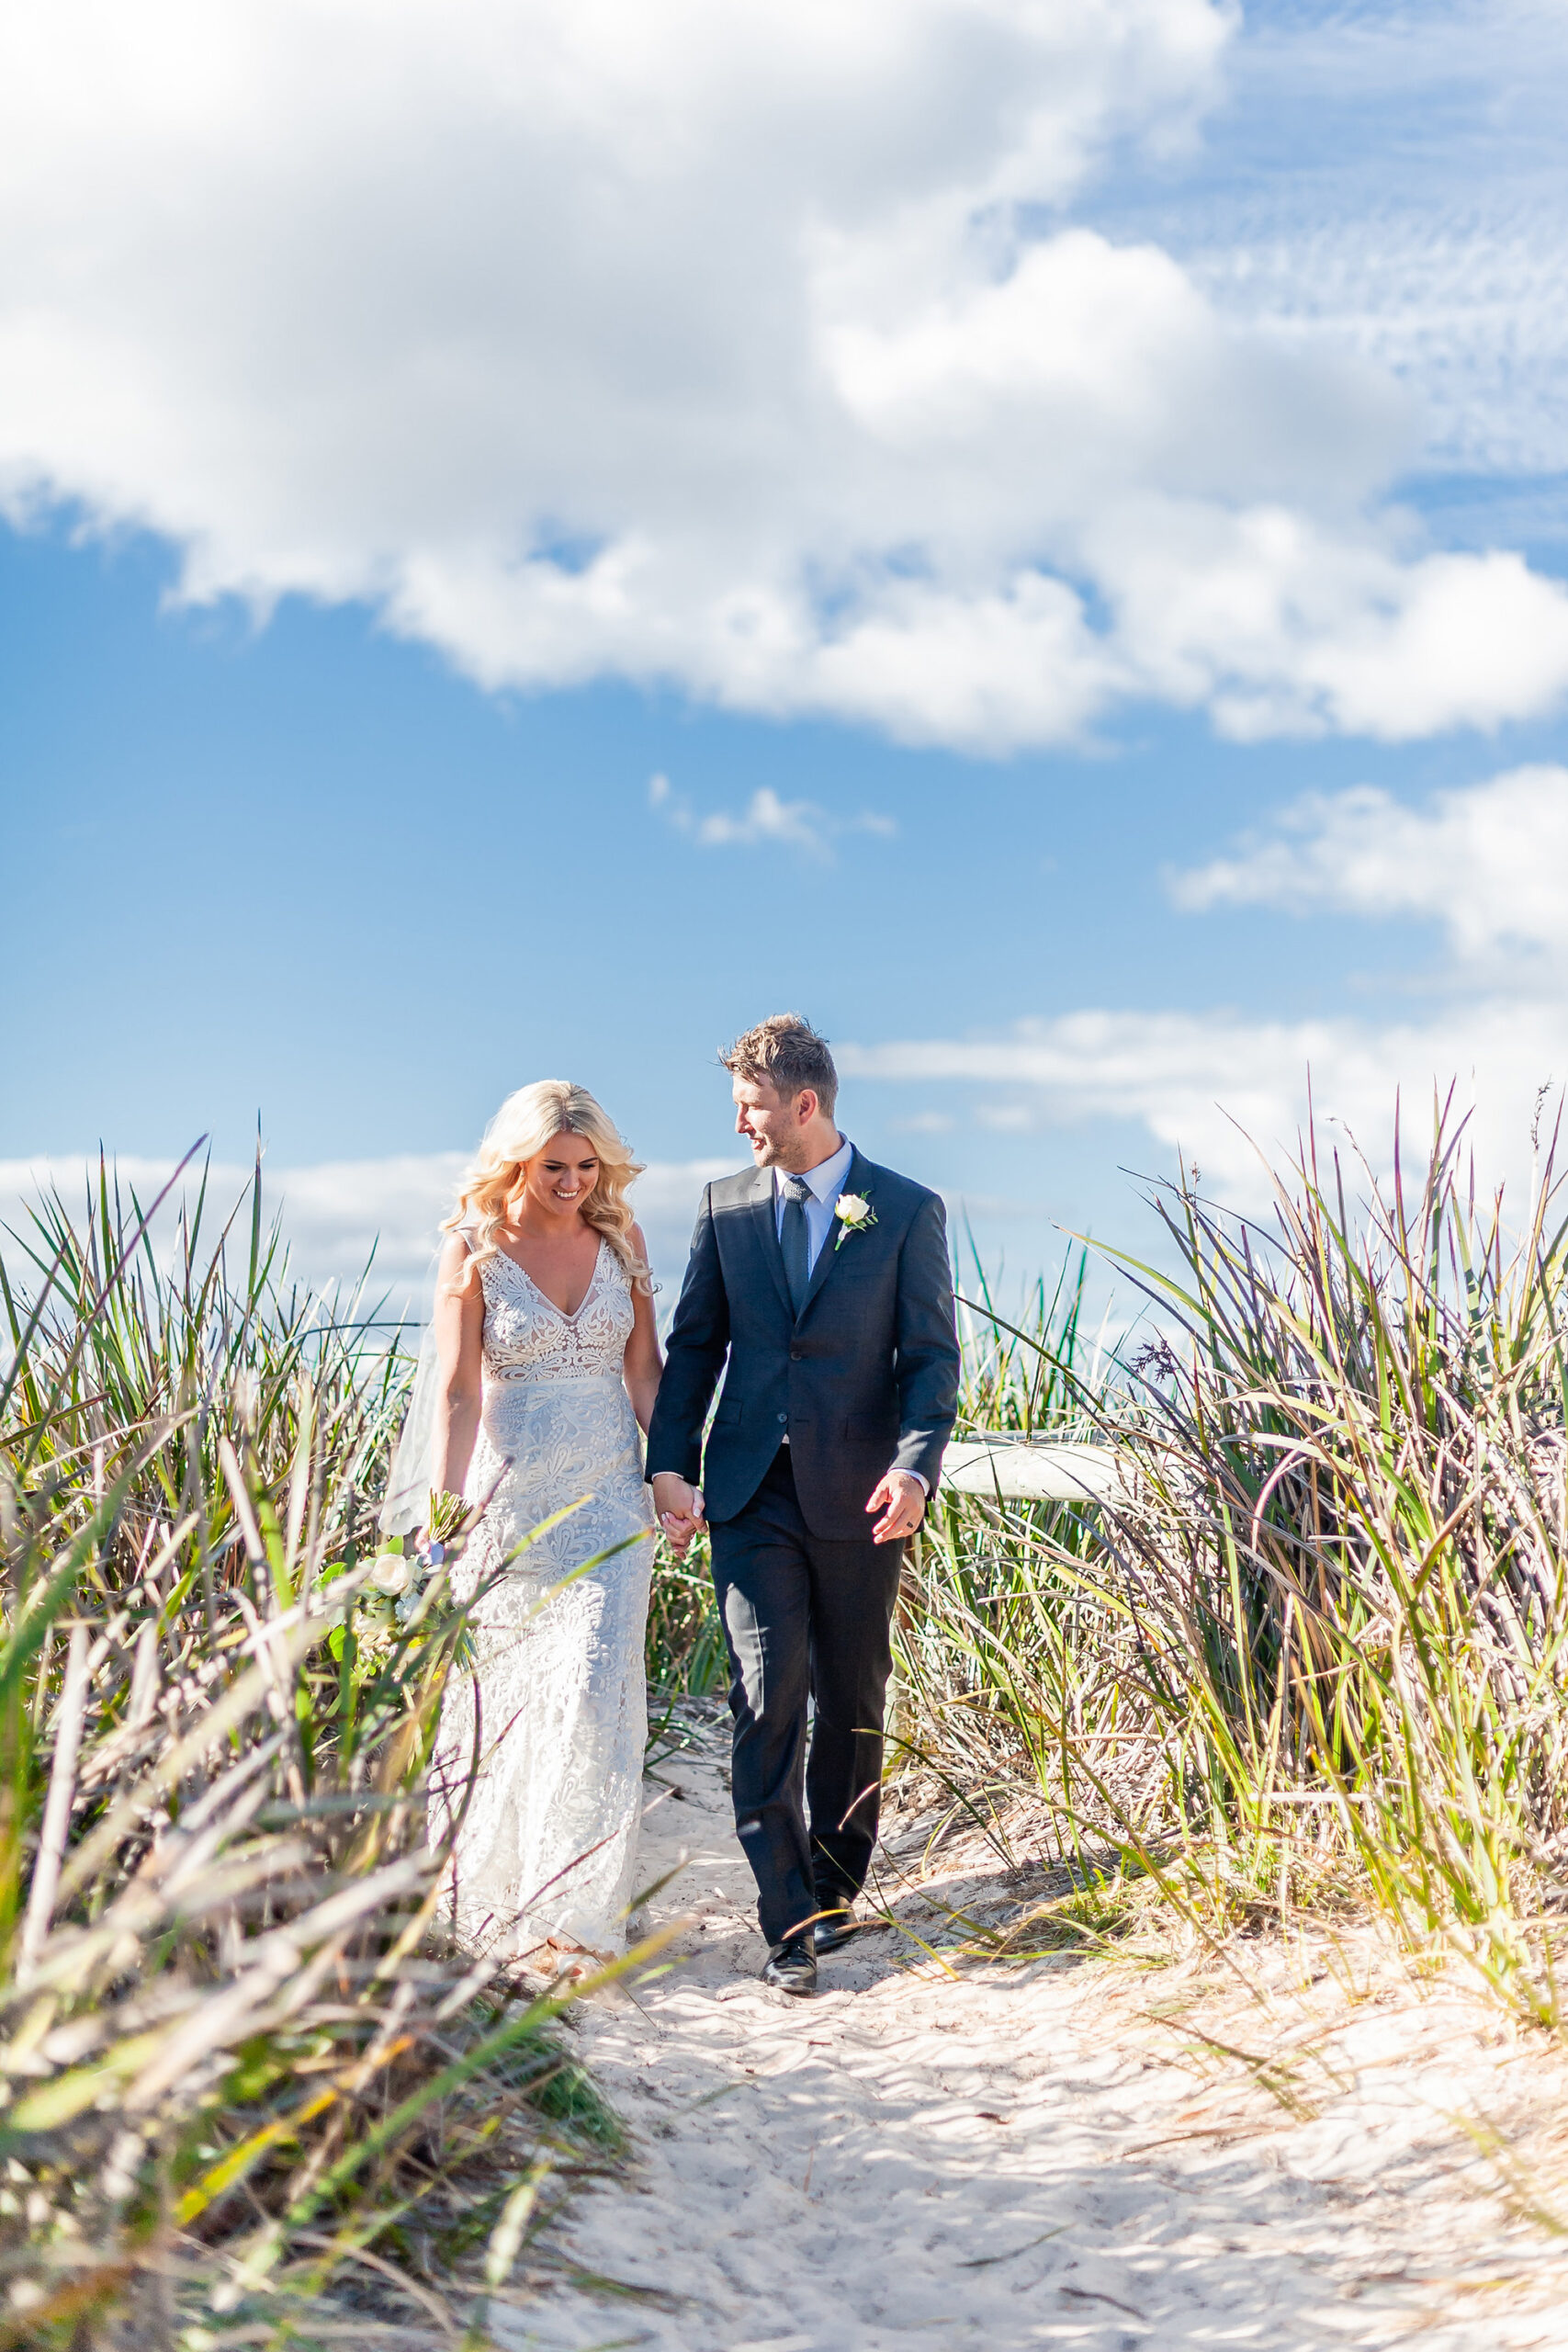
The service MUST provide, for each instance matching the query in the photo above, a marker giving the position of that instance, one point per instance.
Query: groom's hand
(680, 1510)
(901, 1499)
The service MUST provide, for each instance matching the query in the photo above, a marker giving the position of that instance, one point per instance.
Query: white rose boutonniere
(855, 1213)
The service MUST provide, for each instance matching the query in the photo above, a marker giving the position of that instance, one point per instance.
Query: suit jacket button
(783, 1417)
(795, 1355)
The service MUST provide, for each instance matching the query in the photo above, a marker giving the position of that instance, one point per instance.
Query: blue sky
(1017, 596)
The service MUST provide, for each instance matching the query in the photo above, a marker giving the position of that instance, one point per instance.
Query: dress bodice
(526, 1337)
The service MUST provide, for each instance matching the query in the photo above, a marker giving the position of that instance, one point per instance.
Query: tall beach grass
(246, 2093)
(1316, 1656)
(1312, 1658)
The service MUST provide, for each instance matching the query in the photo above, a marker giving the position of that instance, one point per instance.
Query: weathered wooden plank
(998, 1462)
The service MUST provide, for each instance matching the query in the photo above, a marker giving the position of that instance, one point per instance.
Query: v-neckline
(593, 1282)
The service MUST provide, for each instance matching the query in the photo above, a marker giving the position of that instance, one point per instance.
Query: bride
(546, 1361)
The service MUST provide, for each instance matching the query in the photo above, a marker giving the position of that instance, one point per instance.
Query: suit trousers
(804, 1619)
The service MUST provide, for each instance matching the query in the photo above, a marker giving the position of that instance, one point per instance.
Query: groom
(825, 1281)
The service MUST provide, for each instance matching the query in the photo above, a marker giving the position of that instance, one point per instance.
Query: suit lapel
(830, 1250)
(764, 1220)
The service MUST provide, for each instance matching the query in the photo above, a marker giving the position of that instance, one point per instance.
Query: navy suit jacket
(864, 1380)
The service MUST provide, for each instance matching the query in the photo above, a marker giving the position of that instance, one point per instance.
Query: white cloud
(1284, 629)
(1488, 862)
(1218, 1086)
(925, 1122)
(795, 824)
(742, 347)
(1475, 313)
(1406, 204)
(336, 1212)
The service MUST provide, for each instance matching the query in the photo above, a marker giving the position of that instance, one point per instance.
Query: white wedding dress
(548, 1844)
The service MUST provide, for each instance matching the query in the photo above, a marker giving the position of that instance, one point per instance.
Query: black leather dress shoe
(792, 1966)
(839, 1924)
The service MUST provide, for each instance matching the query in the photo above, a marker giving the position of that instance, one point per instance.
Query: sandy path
(1042, 2156)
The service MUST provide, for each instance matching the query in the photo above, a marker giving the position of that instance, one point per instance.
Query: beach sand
(1076, 2150)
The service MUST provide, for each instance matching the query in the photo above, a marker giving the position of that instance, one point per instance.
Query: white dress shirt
(826, 1182)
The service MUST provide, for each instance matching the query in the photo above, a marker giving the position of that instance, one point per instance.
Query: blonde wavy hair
(522, 1128)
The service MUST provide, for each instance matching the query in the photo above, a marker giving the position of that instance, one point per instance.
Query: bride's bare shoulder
(456, 1251)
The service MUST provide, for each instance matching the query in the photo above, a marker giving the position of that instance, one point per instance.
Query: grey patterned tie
(795, 1240)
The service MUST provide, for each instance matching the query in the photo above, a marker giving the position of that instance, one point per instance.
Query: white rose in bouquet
(392, 1573)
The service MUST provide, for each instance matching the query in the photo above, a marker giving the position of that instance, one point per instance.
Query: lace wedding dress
(548, 1844)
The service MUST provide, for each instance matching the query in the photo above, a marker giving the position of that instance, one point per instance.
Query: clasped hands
(897, 1494)
(680, 1508)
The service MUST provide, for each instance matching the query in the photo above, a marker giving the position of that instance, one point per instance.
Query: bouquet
(404, 1563)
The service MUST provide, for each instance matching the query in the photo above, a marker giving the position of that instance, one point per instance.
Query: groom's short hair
(786, 1051)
